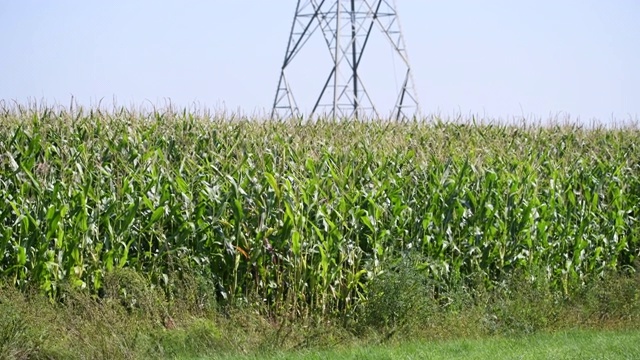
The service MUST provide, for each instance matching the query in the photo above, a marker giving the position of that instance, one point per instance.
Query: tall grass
(300, 217)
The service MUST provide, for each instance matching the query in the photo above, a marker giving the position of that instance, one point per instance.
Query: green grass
(565, 345)
(33, 327)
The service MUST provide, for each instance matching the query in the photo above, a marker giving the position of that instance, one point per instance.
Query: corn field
(304, 215)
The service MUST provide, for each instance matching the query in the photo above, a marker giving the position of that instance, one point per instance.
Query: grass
(34, 327)
(564, 345)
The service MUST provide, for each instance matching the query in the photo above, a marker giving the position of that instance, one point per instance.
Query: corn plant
(298, 217)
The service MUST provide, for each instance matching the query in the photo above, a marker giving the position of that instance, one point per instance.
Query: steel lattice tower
(347, 26)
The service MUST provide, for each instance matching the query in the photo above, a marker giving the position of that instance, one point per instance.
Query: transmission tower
(347, 27)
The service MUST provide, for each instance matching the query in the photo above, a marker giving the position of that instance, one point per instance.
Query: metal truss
(347, 26)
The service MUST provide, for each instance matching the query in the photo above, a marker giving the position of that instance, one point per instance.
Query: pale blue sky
(499, 59)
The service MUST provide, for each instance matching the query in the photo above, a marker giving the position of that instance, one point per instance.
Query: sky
(495, 59)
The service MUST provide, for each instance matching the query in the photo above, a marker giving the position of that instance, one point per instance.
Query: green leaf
(272, 182)
(295, 243)
(157, 214)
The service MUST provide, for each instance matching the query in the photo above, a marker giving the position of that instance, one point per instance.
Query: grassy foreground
(33, 327)
(559, 346)
(134, 235)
